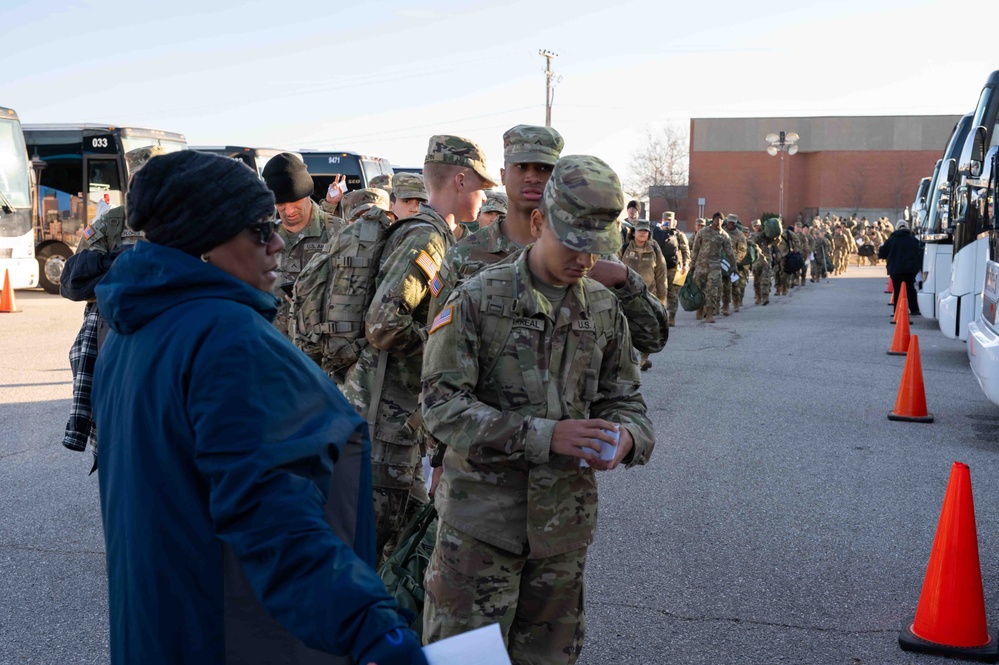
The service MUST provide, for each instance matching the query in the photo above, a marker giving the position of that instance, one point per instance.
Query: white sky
(381, 77)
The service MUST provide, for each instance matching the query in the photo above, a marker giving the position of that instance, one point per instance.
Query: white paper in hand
(734, 277)
(482, 646)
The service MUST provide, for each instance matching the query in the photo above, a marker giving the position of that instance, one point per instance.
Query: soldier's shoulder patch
(89, 232)
(430, 269)
(443, 319)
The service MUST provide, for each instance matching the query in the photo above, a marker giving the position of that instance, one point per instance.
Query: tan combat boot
(735, 308)
(672, 319)
(700, 313)
(708, 311)
(756, 300)
(725, 310)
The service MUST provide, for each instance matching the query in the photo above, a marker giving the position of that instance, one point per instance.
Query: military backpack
(335, 288)
(670, 247)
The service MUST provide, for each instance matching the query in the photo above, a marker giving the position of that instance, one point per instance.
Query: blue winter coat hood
(150, 279)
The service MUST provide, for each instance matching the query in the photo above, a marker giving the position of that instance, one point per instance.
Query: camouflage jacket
(820, 247)
(647, 316)
(469, 255)
(709, 248)
(395, 324)
(842, 241)
(501, 369)
(740, 245)
(649, 263)
(109, 232)
(298, 249)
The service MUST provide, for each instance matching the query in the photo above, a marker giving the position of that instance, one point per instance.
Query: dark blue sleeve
(82, 273)
(266, 420)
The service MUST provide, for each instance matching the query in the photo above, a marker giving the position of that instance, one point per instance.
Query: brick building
(867, 165)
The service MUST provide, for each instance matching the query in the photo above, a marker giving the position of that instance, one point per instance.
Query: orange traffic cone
(7, 304)
(900, 340)
(950, 617)
(903, 307)
(910, 405)
(890, 287)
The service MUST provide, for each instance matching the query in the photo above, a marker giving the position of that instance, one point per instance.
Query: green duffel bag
(402, 573)
(829, 264)
(691, 297)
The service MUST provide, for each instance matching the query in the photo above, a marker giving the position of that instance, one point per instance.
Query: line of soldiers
(724, 253)
(503, 339)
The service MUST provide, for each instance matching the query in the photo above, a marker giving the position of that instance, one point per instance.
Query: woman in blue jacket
(218, 443)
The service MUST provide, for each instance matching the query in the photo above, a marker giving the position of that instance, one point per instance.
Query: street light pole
(782, 142)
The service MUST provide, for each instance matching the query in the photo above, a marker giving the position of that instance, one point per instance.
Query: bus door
(104, 186)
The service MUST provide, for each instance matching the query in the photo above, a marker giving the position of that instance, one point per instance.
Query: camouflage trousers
(781, 278)
(762, 277)
(739, 288)
(839, 261)
(709, 281)
(400, 489)
(394, 508)
(537, 602)
(672, 291)
(817, 270)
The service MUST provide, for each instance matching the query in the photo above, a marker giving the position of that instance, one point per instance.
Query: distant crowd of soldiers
(723, 253)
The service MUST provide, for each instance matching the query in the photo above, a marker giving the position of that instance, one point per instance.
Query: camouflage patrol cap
(731, 218)
(529, 144)
(383, 181)
(583, 200)
(137, 158)
(669, 214)
(409, 186)
(359, 201)
(447, 149)
(642, 225)
(496, 201)
(701, 222)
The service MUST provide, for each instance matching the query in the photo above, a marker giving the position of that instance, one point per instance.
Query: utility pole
(549, 75)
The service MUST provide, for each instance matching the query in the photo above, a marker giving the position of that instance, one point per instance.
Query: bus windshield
(130, 143)
(14, 168)
(374, 168)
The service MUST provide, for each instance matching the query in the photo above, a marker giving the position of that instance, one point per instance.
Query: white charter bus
(17, 240)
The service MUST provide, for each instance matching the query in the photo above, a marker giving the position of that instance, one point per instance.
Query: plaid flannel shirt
(81, 430)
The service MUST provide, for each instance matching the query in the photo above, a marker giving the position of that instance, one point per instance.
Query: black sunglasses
(264, 230)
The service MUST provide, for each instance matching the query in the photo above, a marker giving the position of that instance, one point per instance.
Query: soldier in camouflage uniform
(841, 249)
(529, 368)
(305, 227)
(676, 250)
(494, 209)
(383, 182)
(529, 153)
(734, 292)
(384, 384)
(408, 192)
(782, 246)
(711, 245)
(806, 250)
(359, 201)
(644, 257)
(762, 273)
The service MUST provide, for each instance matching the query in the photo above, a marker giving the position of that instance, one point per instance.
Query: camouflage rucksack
(334, 290)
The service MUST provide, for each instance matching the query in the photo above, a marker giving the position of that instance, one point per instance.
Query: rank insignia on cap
(88, 232)
(442, 319)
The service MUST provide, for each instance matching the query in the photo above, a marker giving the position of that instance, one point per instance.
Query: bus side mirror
(978, 150)
(951, 170)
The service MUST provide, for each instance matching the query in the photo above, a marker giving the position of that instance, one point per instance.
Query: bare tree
(661, 161)
(856, 187)
(901, 184)
(754, 192)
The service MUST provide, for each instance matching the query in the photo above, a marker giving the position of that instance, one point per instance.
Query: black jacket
(903, 251)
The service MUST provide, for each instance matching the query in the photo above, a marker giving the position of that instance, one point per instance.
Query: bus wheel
(51, 261)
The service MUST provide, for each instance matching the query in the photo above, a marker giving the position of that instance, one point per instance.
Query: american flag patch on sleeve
(442, 319)
(89, 231)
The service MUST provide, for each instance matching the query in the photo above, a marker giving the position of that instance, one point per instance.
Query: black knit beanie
(288, 177)
(195, 201)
